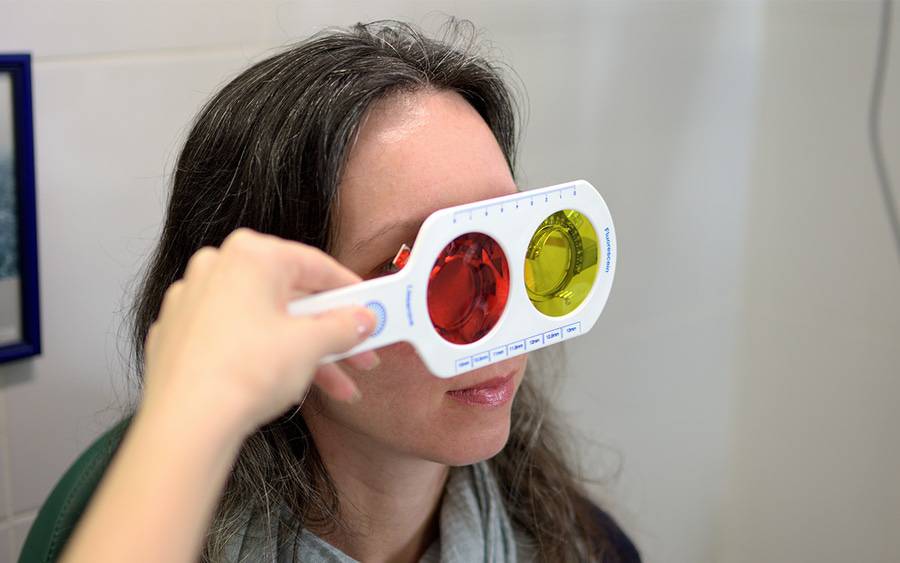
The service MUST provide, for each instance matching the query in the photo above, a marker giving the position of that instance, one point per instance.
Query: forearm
(158, 495)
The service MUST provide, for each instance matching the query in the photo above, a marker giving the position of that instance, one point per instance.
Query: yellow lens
(561, 263)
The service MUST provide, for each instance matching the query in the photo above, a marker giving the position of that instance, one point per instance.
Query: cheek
(405, 409)
(401, 401)
(401, 386)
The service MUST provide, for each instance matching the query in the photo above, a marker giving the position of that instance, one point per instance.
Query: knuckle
(241, 238)
(201, 258)
(246, 244)
(172, 291)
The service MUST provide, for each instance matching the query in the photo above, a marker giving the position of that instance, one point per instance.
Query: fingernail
(364, 322)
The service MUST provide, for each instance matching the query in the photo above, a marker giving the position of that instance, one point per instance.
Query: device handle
(386, 297)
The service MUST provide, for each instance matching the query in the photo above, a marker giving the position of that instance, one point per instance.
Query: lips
(491, 393)
(492, 382)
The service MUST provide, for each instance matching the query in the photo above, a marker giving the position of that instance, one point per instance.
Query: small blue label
(552, 336)
(463, 364)
(608, 249)
(498, 354)
(481, 359)
(409, 314)
(517, 347)
(571, 330)
(533, 342)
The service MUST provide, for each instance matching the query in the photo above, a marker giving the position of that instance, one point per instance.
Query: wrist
(203, 419)
(164, 482)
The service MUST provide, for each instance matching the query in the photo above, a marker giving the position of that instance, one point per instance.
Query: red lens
(468, 288)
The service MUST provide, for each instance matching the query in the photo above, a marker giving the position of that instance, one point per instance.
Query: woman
(344, 143)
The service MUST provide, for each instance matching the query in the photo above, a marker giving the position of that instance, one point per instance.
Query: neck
(389, 502)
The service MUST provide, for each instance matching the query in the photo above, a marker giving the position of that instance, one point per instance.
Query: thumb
(335, 331)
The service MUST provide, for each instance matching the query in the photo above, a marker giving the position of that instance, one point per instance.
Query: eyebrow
(406, 225)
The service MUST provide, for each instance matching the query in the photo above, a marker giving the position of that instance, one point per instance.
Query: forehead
(415, 153)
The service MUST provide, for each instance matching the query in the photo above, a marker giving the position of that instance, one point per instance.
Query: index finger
(308, 268)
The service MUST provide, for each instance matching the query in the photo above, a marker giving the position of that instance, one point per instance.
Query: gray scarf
(474, 526)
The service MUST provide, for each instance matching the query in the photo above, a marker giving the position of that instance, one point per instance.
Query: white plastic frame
(399, 300)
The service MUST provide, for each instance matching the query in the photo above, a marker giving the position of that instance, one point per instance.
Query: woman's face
(417, 153)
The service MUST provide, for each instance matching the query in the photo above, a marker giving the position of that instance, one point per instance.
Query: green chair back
(62, 509)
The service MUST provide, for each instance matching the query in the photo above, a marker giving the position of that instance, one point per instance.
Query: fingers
(364, 360)
(280, 267)
(334, 331)
(335, 383)
(309, 269)
(299, 265)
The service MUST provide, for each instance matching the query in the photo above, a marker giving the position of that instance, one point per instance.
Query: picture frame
(20, 335)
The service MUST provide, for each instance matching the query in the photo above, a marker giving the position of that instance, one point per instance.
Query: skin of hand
(223, 336)
(222, 358)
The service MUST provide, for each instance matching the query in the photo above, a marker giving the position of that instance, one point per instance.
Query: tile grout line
(25, 516)
(8, 525)
(251, 50)
(8, 516)
(19, 518)
(7, 463)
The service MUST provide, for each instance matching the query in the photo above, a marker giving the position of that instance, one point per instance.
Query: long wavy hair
(267, 152)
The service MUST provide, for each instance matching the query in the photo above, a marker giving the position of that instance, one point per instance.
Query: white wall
(729, 141)
(815, 458)
(663, 126)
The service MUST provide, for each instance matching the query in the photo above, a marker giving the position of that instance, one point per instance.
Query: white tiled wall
(703, 139)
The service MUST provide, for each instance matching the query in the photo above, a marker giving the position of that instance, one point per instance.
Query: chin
(474, 442)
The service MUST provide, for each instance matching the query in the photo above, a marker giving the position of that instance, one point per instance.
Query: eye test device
(491, 279)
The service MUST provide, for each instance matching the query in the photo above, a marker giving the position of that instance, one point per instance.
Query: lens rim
(442, 332)
(577, 251)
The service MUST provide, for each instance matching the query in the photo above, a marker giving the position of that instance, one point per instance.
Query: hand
(224, 344)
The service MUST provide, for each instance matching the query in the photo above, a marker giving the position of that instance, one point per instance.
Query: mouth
(494, 392)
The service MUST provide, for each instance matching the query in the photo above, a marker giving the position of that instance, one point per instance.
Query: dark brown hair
(266, 152)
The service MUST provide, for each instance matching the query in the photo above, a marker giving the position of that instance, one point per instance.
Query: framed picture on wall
(19, 305)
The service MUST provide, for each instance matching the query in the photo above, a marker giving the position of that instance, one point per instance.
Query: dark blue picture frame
(18, 67)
